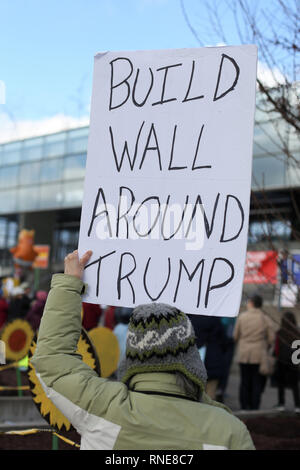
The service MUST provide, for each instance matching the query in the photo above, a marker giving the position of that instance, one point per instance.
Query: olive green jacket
(108, 414)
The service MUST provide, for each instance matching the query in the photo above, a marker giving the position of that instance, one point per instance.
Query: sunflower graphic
(45, 406)
(17, 336)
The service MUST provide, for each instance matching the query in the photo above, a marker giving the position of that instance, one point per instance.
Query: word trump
(127, 267)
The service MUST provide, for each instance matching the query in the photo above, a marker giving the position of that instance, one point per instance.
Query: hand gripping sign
(168, 178)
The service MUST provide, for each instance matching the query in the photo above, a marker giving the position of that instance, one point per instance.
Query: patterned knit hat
(160, 338)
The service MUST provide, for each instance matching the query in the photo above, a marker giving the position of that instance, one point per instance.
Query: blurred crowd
(21, 302)
(249, 337)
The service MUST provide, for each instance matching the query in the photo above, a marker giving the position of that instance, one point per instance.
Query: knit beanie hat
(160, 338)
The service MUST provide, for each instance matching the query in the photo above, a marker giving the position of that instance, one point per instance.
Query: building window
(55, 145)
(30, 173)
(51, 170)
(65, 241)
(269, 231)
(74, 167)
(8, 201)
(11, 153)
(51, 196)
(268, 172)
(9, 176)
(33, 149)
(8, 239)
(28, 198)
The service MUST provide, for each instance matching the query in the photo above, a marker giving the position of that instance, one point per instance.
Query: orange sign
(42, 259)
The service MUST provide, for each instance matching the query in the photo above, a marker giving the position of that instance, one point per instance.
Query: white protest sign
(168, 177)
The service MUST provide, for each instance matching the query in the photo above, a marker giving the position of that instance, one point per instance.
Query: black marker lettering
(190, 277)
(125, 276)
(172, 152)
(189, 87)
(162, 100)
(124, 81)
(208, 227)
(196, 153)
(156, 147)
(123, 216)
(156, 198)
(225, 218)
(125, 150)
(98, 269)
(237, 73)
(218, 286)
(95, 214)
(165, 285)
(134, 89)
(180, 223)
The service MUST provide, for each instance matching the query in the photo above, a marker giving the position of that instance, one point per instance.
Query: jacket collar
(160, 382)
(165, 383)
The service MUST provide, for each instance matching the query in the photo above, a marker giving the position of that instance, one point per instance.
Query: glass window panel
(32, 153)
(28, 198)
(74, 166)
(78, 133)
(271, 230)
(13, 156)
(51, 196)
(58, 137)
(293, 171)
(66, 240)
(12, 233)
(9, 176)
(3, 223)
(34, 142)
(54, 149)
(12, 146)
(73, 194)
(51, 170)
(266, 139)
(294, 141)
(77, 145)
(268, 172)
(30, 173)
(8, 201)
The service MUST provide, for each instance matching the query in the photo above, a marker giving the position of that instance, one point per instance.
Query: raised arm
(73, 386)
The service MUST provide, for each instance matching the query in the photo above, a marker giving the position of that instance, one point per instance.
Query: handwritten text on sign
(168, 175)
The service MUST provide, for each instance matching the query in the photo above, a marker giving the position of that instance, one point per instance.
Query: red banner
(261, 267)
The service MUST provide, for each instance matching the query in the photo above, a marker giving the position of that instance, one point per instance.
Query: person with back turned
(253, 332)
(159, 401)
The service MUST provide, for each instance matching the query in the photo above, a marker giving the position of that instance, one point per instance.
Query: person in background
(122, 316)
(159, 401)
(109, 317)
(17, 307)
(36, 311)
(287, 373)
(210, 333)
(229, 346)
(91, 315)
(28, 296)
(3, 309)
(253, 329)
